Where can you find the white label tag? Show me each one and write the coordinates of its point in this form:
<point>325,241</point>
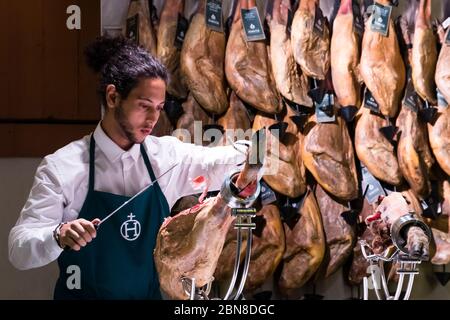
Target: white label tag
<point>446,23</point>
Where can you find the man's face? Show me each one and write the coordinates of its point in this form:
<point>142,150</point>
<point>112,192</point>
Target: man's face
<point>138,114</point>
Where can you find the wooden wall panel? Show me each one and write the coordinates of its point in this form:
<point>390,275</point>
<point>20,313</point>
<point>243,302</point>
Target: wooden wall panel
<point>4,27</point>
<point>23,43</point>
<point>43,76</point>
<point>60,64</point>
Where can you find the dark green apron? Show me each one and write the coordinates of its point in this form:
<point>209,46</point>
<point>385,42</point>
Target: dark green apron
<point>118,263</point>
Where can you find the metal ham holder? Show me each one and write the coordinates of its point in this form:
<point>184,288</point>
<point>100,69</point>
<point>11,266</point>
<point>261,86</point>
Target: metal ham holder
<point>244,212</point>
<point>398,255</point>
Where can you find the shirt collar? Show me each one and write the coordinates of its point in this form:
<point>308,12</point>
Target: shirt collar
<point>112,151</point>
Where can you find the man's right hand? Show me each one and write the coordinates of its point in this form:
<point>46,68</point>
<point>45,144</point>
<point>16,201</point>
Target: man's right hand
<point>77,233</point>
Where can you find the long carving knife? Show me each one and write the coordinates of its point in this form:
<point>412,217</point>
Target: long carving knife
<point>133,197</point>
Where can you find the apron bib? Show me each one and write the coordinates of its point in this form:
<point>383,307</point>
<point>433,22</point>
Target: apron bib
<point>118,263</point>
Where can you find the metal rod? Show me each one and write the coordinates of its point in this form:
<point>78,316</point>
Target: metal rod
<point>410,284</point>
<point>365,289</point>
<point>192,288</point>
<point>236,264</point>
<point>399,286</point>
<point>375,285</point>
<point>383,280</point>
<point>246,264</point>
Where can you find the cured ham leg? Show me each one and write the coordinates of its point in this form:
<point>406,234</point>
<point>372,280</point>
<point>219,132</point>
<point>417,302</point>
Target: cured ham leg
<point>192,112</point>
<point>441,228</point>
<point>442,76</point>
<point>247,67</point>
<point>424,54</point>
<point>305,247</point>
<point>167,52</point>
<point>382,67</point>
<point>327,153</point>
<point>145,33</point>
<point>413,152</point>
<point>235,121</point>
<point>374,150</point>
<point>358,269</point>
<point>340,236</point>
<point>311,51</point>
<point>290,81</point>
<point>439,137</point>
<point>189,244</point>
<point>359,265</point>
<point>289,179</point>
<point>345,58</point>
<point>202,60</point>
<point>439,131</point>
<point>391,208</point>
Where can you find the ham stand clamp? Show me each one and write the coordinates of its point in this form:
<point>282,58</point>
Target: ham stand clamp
<point>242,210</point>
<point>407,265</point>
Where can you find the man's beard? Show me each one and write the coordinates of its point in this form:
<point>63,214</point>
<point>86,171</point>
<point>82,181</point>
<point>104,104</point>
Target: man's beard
<point>124,124</point>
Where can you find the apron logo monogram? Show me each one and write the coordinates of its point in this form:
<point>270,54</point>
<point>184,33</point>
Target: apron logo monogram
<point>130,229</point>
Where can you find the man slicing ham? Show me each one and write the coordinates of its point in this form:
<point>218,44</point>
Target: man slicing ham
<point>82,183</point>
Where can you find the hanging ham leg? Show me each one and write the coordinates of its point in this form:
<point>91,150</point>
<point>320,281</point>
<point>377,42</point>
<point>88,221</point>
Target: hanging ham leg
<point>345,58</point>
<point>166,50</point>
<point>192,112</point>
<point>289,179</point>
<point>339,235</point>
<point>267,250</point>
<point>413,152</point>
<point>202,60</point>
<point>327,153</point>
<point>236,121</point>
<point>382,67</point>
<point>146,34</point>
<point>439,137</point>
<point>305,247</point>
<point>247,67</point>
<point>189,244</point>
<point>439,131</point>
<point>358,268</point>
<point>290,81</point>
<point>311,51</point>
<point>442,76</point>
<point>424,54</point>
<point>441,229</point>
<point>374,150</point>
<point>390,209</point>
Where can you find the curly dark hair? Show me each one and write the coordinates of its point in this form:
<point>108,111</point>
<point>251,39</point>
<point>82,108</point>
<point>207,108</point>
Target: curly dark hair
<point>122,63</point>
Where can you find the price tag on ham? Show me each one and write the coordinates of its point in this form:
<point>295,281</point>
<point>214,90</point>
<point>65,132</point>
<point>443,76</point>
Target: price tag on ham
<point>213,15</point>
<point>252,24</point>
<point>182,27</point>
<point>380,18</point>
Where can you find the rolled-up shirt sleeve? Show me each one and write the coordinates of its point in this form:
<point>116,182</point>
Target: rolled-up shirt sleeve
<point>31,243</point>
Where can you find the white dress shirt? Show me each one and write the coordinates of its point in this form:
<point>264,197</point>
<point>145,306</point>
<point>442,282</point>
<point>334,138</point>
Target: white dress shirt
<point>61,184</point>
